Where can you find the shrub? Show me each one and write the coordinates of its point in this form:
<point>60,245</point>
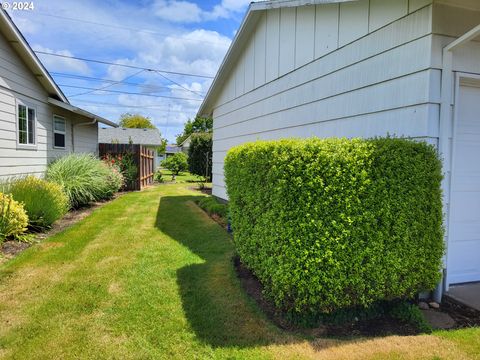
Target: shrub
<point>84,178</point>
<point>176,163</point>
<point>123,165</point>
<point>200,155</point>
<point>44,201</point>
<point>334,223</point>
<point>213,207</point>
<point>13,218</point>
<point>158,177</point>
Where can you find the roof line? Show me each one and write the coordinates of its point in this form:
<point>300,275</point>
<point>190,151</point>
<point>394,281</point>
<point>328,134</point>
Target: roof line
<point>26,46</point>
<point>249,18</point>
<point>80,111</point>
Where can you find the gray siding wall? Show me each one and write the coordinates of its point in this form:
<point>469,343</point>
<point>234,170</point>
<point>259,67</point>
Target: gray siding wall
<point>18,83</point>
<point>351,69</point>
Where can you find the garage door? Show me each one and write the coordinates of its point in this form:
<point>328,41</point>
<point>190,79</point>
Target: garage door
<point>464,242</point>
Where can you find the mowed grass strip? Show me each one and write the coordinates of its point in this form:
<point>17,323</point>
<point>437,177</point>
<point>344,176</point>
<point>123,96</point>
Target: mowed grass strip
<point>149,276</point>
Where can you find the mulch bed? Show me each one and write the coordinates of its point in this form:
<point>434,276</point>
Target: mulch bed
<point>464,316</point>
<point>384,326</point>
<point>11,248</point>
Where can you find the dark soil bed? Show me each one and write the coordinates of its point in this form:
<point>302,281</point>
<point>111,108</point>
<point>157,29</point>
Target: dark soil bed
<point>464,316</point>
<point>383,326</point>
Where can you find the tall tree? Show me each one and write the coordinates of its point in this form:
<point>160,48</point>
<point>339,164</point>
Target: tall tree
<point>198,125</point>
<point>135,121</point>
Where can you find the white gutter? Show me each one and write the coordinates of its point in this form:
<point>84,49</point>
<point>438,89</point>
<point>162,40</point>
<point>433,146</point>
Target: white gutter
<point>447,96</point>
<point>82,112</point>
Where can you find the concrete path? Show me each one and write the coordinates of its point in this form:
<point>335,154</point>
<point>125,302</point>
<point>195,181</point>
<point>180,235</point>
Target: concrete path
<point>468,294</point>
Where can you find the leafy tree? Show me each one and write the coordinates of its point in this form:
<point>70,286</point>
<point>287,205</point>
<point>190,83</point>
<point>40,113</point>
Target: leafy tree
<point>135,121</point>
<point>200,155</point>
<point>198,125</point>
<point>162,148</point>
<point>176,164</point>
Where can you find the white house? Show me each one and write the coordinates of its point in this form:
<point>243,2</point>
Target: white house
<point>37,123</point>
<point>362,68</point>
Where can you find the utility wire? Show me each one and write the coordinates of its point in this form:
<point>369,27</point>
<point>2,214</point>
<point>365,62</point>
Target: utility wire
<point>124,65</point>
<point>181,86</point>
<point>139,94</point>
<point>107,86</point>
<point>160,108</point>
<point>90,78</point>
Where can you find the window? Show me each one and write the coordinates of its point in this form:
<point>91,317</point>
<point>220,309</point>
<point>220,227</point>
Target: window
<point>26,124</point>
<point>59,126</point>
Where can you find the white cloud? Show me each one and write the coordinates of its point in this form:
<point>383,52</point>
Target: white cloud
<point>182,11</point>
<point>59,64</point>
<point>177,11</point>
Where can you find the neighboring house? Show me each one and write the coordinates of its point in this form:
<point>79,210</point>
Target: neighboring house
<point>364,68</point>
<point>37,123</point>
<point>185,145</point>
<point>150,138</point>
<point>171,150</point>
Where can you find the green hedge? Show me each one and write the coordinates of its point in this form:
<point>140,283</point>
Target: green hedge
<point>335,223</point>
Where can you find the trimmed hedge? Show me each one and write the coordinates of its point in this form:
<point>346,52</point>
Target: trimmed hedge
<point>335,223</point>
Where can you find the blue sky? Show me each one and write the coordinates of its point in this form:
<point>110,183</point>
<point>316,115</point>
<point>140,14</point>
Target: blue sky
<point>190,37</point>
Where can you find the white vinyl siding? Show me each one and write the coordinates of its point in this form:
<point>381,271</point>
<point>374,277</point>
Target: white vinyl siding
<point>350,91</point>
<point>18,83</point>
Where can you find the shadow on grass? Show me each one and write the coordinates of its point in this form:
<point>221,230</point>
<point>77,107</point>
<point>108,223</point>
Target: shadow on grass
<point>215,304</point>
<point>213,300</point>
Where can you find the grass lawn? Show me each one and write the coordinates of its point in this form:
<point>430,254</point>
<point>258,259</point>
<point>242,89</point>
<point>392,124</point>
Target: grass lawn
<point>183,177</point>
<point>149,276</point>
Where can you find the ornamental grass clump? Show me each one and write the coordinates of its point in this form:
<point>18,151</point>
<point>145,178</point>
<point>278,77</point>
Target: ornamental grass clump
<point>13,218</point>
<point>336,223</point>
<point>44,201</point>
<point>84,178</point>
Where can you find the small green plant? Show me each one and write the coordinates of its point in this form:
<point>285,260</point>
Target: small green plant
<point>13,218</point>
<point>158,177</point>
<point>213,207</point>
<point>44,201</point>
<point>411,314</point>
<point>83,178</point>
<point>176,164</point>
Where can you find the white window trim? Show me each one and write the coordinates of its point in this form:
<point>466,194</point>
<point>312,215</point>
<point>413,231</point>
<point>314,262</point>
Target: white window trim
<point>64,133</point>
<point>35,125</point>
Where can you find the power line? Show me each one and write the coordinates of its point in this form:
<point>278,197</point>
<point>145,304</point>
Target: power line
<point>153,107</point>
<point>147,31</point>
<point>130,93</point>
<point>90,78</point>
<point>124,65</point>
<point>178,84</point>
<point>107,86</point>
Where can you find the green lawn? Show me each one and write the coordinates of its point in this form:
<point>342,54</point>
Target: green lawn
<point>183,177</point>
<point>149,276</point>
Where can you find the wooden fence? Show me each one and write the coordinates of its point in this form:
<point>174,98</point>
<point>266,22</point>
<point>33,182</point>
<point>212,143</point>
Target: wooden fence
<point>142,157</point>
